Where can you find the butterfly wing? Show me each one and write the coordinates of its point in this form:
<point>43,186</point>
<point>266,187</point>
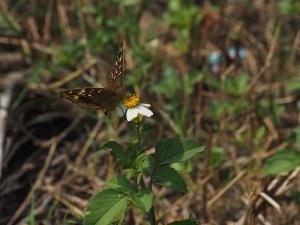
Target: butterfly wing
<point>101,98</point>
<point>115,78</point>
<point>92,98</point>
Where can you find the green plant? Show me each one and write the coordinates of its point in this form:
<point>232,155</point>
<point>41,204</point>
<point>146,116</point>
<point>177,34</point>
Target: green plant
<point>181,16</point>
<point>284,161</point>
<point>287,159</point>
<point>132,165</point>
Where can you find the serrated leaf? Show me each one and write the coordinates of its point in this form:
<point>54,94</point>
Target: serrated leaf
<point>184,222</point>
<point>176,150</point>
<point>283,161</point>
<point>169,177</point>
<point>120,184</point>
<point>105,207</point>
<point>143,200</point>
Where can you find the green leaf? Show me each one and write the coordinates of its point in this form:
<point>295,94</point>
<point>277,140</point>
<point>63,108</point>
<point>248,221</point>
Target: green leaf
<point>176,150</point>
<point>130,2</point>
<point>220,108</point>
<point>139,164</point>
<point>120,184</point>
<point>130,173</point>
<point>293,85</point>
<point>217,157</point>
<point>183,167</point>
<point>105,207</point>
<point>283,161</point>
<point>184,222</point>
<point>238,85</point>
<point>143,200</point>
<point>131,151</point>
<point>295,138</point>
<point>152,163</point>
<point>169,177</point>
<point>120,155</point>
<point>117,150</point>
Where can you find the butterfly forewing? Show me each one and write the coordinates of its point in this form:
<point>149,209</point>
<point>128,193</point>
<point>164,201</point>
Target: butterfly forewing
<point>115,78</point>
<point>93,98</point>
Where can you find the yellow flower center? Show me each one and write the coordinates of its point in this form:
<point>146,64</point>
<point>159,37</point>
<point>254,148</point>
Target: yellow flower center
<point>131,101</point>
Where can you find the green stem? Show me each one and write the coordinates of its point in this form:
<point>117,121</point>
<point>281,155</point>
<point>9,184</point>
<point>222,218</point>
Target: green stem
<point>151,216</point>
<point>138,133</point>
<point>9,18</point>
<point>151,213</point>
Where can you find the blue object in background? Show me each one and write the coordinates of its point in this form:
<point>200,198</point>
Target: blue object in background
<point>215,60</point>
<point>242,53</point>
<point>231,51</point>
<point>235,53</point>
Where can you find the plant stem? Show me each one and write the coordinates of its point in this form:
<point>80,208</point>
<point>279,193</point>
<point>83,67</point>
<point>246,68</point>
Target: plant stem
<point>151,216</point>
<point>151,213</point>
<point>138,134</point>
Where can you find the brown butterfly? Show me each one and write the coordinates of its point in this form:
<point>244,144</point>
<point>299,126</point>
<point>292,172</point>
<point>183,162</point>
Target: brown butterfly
<point>106,98</point>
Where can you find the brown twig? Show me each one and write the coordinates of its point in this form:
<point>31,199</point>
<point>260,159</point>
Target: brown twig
<point>226,188</point>
<point>88,143</point>
<point>72,75</point>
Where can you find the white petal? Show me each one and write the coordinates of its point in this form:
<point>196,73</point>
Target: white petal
<point>146,105</point>
<point>121,110</point>
<point>144,111</point>
<point>131,114</point>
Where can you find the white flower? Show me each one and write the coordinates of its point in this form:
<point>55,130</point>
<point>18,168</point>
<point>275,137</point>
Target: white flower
<point>133,108</point>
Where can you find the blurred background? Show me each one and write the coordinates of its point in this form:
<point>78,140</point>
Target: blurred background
<point>224,73</point>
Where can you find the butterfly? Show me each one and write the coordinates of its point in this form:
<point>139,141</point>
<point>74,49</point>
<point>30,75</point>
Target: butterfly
<point>106,98</point>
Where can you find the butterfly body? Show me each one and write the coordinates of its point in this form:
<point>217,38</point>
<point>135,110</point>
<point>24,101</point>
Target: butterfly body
<point>106,98</point>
